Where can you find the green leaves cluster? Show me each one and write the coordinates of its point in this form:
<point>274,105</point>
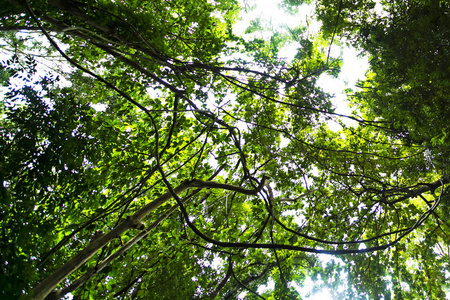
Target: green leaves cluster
<point>163,93</point>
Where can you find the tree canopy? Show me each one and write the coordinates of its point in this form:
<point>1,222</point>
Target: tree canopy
<point>148,151</point>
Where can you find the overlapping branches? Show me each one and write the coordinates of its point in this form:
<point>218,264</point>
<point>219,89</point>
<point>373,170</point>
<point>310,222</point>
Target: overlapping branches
<point>181,80</point>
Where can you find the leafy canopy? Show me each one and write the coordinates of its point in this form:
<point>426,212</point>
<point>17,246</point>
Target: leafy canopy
<point>149,151</point>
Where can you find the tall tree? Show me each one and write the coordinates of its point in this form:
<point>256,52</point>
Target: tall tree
<point>179,160</point>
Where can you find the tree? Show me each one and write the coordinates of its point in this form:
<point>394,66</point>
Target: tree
<point>183,161</point>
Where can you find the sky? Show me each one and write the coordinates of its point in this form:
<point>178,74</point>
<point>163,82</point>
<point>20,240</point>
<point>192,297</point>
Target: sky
<point>353,69</point>
<point>354,66</point>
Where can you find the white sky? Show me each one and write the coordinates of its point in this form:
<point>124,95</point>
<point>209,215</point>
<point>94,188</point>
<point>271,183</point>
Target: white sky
<point>353,69</point>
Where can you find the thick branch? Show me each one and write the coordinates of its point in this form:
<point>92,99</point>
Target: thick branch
<point>428,187</point>
<point>133,221</point>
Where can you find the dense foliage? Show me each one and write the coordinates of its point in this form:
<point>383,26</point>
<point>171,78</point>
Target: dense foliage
<point>148,151</point>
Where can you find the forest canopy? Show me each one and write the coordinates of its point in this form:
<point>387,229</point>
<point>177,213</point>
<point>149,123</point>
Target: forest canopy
<point>150,151</point>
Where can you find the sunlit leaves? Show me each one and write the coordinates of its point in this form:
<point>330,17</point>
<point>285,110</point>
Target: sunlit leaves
<point>196,101</point>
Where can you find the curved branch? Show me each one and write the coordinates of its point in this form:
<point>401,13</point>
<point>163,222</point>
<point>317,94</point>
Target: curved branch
<point>133,221</point>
